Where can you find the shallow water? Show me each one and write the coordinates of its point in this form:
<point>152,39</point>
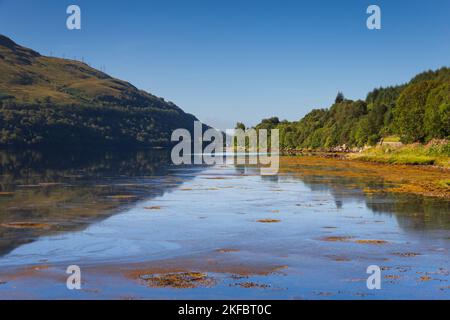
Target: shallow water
<point>126,217</point>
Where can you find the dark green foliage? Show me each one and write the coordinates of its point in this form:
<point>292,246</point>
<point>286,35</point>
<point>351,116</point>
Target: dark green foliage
<point>46,124</point>
<point>440,75</point>
<point>410,110</point>
<point>417,111</point>
<point>339,98</point>
<point>387,96</point>
<point>269,124</point>
<point>240,125</point>
<point>437,113</point>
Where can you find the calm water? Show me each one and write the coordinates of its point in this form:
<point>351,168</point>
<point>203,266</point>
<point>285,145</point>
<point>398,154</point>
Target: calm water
<point>116,214</point>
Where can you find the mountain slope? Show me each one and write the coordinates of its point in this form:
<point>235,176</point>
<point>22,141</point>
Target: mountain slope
<point>46,100</point>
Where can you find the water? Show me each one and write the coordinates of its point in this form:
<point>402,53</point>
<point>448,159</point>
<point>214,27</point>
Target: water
<point>130,216</point>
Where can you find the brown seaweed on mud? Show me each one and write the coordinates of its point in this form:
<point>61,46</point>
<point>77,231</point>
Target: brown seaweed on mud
<point>351,239</point>
<point>337,238</point>
<point>406,254</point>
<point>397,178</point>
<point>371,241</point>
<point>206,270</point>
<point>182,280</point>
<point>201,270</point>
<point>153,208</point>
<point>26,225</point>
<point>251,285</point>
<point>268,221</point>
<point>338,258</point>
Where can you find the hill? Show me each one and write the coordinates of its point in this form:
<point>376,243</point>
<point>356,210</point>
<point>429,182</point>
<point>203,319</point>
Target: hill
<point>48,101</point>
<point>418,111</point>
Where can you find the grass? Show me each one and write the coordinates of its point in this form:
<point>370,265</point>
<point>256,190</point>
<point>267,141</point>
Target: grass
<point>444,183</point>
<point>434,153</point>
<point>392,139</point>
<point>398,159</point>
<point>63,81</point>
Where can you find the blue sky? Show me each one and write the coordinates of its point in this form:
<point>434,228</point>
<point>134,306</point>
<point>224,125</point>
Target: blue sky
<point>230,60</point>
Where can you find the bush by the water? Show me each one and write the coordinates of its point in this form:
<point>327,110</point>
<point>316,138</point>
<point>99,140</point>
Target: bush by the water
<point>437,152</point>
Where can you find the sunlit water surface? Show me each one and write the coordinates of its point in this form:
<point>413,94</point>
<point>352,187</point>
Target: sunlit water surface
<point>137,208</point>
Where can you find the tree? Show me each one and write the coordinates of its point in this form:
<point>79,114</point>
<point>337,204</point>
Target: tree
<point>437,113</point>
<point>339,98</point>
<point>240,125</point>
<point>410,111</point>
<point>268,124</point>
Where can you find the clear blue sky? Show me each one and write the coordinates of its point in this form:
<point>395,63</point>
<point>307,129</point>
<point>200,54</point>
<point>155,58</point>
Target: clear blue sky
<point>230,60</point>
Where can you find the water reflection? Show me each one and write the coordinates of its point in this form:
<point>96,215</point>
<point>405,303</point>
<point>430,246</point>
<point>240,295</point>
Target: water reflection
<point>413,212</point>
<point>44,192</point>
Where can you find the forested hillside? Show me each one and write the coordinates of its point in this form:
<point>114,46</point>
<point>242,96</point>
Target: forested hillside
<point>48,101</point>
<point>418,111</point>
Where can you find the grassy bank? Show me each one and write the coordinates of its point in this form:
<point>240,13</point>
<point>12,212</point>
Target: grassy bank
<point>435,153</point>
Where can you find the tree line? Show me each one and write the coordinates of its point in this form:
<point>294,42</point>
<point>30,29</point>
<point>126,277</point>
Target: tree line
<point>41,124</point>
<point>418,111</point>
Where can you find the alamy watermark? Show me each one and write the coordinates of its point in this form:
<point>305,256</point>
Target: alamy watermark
<point>74,280</point>
<point>213,147</point>
<point>73,22</point>
<point>374,280</point>
<point>374,20</point>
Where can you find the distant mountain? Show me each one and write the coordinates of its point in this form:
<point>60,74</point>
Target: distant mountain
<point>48,101</point>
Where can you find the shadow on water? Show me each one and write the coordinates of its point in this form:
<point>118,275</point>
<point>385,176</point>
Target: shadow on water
<point>44,192</point>
<point>412,212</point>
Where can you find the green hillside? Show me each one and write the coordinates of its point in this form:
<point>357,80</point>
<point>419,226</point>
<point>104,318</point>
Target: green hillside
<point>47,101</point>
<point>418,111</point>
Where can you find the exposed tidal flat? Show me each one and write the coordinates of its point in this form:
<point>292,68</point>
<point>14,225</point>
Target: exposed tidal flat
<point>141,228</point>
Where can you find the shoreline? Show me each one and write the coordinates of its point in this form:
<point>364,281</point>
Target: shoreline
<point>388,159</point>
<point>424,180</point>
<point>435,153</point>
